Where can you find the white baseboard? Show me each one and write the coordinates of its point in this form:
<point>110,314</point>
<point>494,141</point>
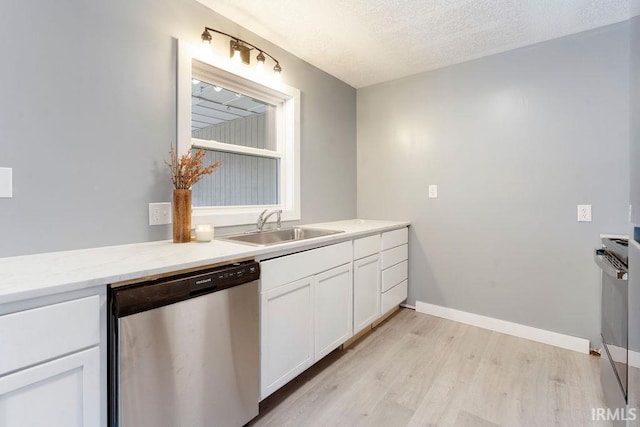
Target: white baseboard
<point>555,339</point>
<point>634,359</point>
<point>621,354</point>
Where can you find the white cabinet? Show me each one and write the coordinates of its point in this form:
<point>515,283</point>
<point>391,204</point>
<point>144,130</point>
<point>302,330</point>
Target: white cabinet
<point>394,268</point>
<point>286,323</point>
<point>366,292</point>
<point>306,311</point>
<point>64,392</point>
<point>333,310</point>
<point>366,281</point>
<point>313,301</point>
<point>50,371</point>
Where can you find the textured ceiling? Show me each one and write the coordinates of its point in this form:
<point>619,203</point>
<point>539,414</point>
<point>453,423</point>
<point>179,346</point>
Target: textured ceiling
<point>364,42</point>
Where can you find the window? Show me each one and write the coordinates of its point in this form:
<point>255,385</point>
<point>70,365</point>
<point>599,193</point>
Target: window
<point>252,126</point>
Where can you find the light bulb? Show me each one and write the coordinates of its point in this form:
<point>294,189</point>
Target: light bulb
<point>277,73</point>
<point>217,88</point>
<point>260,64</point>
<point>204,50</point>
<point>236,54</point>
<point>195,81</point>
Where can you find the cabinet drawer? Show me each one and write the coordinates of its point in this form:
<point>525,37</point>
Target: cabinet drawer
<point>394,275</point>
<point>395,238</point>
<point>366,246</point>
<point>47,332</point>
<point>394,256</point>
<point>394,296</point>
<point>286,269</point>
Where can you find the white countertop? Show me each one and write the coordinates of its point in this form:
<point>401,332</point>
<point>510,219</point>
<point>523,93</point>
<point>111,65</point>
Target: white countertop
<point>32,276</point>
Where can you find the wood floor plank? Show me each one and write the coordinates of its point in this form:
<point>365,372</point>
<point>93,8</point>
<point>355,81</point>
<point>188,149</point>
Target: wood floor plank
<point>420,370</point>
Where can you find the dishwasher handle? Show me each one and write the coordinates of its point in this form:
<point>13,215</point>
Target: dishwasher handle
<point>610,265</point>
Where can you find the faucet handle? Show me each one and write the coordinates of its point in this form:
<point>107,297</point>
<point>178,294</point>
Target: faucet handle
<point>260,221</point>
<point>279,219</point>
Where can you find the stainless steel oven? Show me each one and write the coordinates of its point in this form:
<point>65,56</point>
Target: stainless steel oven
<point>612,258</point>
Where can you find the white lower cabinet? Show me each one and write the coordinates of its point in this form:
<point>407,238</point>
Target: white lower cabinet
<point>394,268</point>
<point>303,320</point>
<point>313,301</point>
<point>50,371</point>
<point>333,311</point>
<point>366,292</point>
<point>286,323</point>
<point>64,392</point>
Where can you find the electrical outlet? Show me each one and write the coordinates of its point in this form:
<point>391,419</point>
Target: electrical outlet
<point>159,213</point>
<point>433,191</point>
<point>584,213</point>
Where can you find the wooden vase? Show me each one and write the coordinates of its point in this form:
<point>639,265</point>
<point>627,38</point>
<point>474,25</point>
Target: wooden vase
<point>181,216</point>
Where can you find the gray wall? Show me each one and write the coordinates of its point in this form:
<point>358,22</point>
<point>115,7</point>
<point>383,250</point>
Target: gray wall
<point>108,69</point>
<point>514,142</point>
<point>634,151</point>
<point>634,119</point>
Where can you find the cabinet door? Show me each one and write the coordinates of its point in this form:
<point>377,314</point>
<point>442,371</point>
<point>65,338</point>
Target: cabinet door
<point>64,392</point>
<point>286,332</point>
<point>333,297</point>
<point>366,292</point>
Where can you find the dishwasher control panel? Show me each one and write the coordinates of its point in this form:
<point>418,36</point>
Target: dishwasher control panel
<point>137,297</point>
<point>226,277</point>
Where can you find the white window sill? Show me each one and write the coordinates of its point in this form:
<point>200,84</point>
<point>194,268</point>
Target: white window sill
<point>233,215</point>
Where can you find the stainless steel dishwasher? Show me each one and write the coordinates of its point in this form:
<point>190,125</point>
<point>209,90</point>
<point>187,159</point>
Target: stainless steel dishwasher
<point>183,350</point>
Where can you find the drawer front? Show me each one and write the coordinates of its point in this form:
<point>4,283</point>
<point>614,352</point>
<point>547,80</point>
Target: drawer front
<point>394,238</point>
<point>279,271</point>
<point>394,296</point>
<point>48,332</point>
<point>366,246</point>
<point>394,256</point>
<point>394,275</point>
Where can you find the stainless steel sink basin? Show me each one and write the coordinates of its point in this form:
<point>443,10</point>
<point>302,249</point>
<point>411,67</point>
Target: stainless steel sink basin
<point>273,237</point>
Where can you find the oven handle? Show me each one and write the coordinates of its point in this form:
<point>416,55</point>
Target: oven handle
<point>607,267</point>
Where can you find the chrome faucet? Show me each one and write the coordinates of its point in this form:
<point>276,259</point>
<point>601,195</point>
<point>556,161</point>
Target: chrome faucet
<point>262,219</point>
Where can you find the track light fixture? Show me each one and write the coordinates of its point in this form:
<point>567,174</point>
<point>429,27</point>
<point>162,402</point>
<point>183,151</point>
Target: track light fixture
<point>240,51</point>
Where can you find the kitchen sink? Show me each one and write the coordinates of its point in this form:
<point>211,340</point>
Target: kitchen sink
<point>273,237</point>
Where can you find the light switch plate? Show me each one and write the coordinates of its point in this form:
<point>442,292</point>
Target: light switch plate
<point>433,191</point>
<point>584,213</point>
<point>159,213</point>
<point>6,183</point>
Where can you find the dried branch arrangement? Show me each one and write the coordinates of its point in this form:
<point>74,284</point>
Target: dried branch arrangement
<point>188,169</point>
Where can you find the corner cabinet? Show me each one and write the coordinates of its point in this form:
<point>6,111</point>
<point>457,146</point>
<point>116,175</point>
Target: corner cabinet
<point>306,311</point>
<point>50,368</point>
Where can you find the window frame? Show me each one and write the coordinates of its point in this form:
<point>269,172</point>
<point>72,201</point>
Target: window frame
<point>208,67</point>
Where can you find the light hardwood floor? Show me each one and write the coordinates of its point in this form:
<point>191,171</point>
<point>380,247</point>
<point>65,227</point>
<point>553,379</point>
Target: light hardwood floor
<point>418,370</point>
